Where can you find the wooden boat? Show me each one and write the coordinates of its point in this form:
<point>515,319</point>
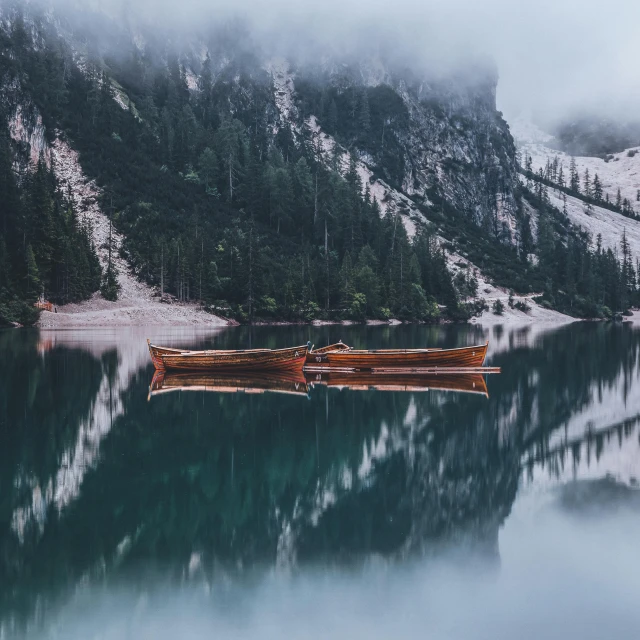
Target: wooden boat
<point>290,359</point>
<point>288,382</point>
<point>409,359</point>
<point>414,382</point>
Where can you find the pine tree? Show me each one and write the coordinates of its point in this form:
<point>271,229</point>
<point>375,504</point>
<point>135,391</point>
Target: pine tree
<point>33,284</point>
<point>574,183</point>
<point>597,189</point>
<point>230,141</point>
<point>208,169</point>
<point>332,117</point>
<point>364,116</point>
<point>587,184</point>
<point>110,286</point>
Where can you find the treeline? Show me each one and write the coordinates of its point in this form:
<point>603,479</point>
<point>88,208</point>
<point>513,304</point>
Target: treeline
<point>370,118</point>
<point>578,279</point>
<point>220,203</point>
<point>587,188</point>
<point>44,247</point>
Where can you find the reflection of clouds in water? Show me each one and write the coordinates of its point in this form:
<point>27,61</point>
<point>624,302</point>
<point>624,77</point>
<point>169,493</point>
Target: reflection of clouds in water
<point>550,584</point>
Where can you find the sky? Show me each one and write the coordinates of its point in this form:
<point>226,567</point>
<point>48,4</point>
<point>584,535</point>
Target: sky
<point>554,57</point>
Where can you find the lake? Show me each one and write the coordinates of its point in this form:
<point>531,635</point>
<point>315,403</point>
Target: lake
<point>318,510</point>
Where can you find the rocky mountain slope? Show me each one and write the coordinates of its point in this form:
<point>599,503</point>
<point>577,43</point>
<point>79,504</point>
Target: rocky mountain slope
<point>269,186</point>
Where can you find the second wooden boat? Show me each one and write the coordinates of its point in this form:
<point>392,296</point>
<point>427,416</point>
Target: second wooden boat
<point>315,355</point>
<point>290,359</point>
<point>409,359</point>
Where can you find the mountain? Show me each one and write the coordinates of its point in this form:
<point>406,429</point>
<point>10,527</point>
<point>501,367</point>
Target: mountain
<point>214,167</point>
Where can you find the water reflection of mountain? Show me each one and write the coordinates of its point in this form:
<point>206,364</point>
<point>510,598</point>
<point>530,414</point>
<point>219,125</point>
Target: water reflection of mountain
<point>230,482</point>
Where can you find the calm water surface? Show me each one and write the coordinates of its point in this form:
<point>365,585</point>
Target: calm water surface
<point>325,511</point>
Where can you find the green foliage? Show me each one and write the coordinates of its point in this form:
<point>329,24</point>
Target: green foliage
<point>110,286</point>
<point>498,307</point>
<point>580,280</point>
<point>44,249</point>
<point>358,306</point>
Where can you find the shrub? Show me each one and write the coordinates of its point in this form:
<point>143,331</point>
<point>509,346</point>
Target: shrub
<point>358,306</point>
<point>498,307</point>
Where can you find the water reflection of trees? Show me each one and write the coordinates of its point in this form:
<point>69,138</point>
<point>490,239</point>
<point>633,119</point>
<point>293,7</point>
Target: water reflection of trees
<point>45,395</point>
<point>246,481</point>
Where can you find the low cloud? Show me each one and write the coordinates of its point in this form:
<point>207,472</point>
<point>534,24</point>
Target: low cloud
<point>555,57</point>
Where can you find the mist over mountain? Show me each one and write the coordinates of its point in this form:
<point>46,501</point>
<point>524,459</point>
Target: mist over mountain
<point>554,58</point>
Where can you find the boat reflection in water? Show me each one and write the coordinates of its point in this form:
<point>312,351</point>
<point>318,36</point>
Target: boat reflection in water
<point>365,381</point>
<point>290,382</point>
<point>299,383</point>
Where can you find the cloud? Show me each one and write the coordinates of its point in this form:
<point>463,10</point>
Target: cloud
<point>554,57</point>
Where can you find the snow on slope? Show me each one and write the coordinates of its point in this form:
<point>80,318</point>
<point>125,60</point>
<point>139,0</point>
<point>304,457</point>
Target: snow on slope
<point>621,172</point>
<point>608,224</point>
<point>601,221</point>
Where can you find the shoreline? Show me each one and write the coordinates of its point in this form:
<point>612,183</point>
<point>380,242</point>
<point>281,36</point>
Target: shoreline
<point>145,312</point>
<point>192,316</point>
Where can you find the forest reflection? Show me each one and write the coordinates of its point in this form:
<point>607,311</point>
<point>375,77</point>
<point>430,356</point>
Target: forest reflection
<point>97,483</point>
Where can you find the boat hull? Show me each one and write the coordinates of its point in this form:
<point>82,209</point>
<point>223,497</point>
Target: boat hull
<point>157,353</point>
<point>291,359</point>
<point>409,359</point>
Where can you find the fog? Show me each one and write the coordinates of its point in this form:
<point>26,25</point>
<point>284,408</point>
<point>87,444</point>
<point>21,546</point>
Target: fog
<point>560,576</point>
<point>555,57</point>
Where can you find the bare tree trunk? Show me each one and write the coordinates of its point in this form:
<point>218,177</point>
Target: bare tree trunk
<point>393,239</point>
<point>326,257</point>
<point>315,200</point>
<point>250,274</point>
<point>401,278</point>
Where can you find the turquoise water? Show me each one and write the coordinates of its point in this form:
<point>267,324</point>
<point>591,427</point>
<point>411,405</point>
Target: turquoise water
<point>332,512</point>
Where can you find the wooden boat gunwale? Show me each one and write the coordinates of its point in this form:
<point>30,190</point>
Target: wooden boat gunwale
<point>468,357</point>
<point>337,346</point>
<point>288,358</point>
